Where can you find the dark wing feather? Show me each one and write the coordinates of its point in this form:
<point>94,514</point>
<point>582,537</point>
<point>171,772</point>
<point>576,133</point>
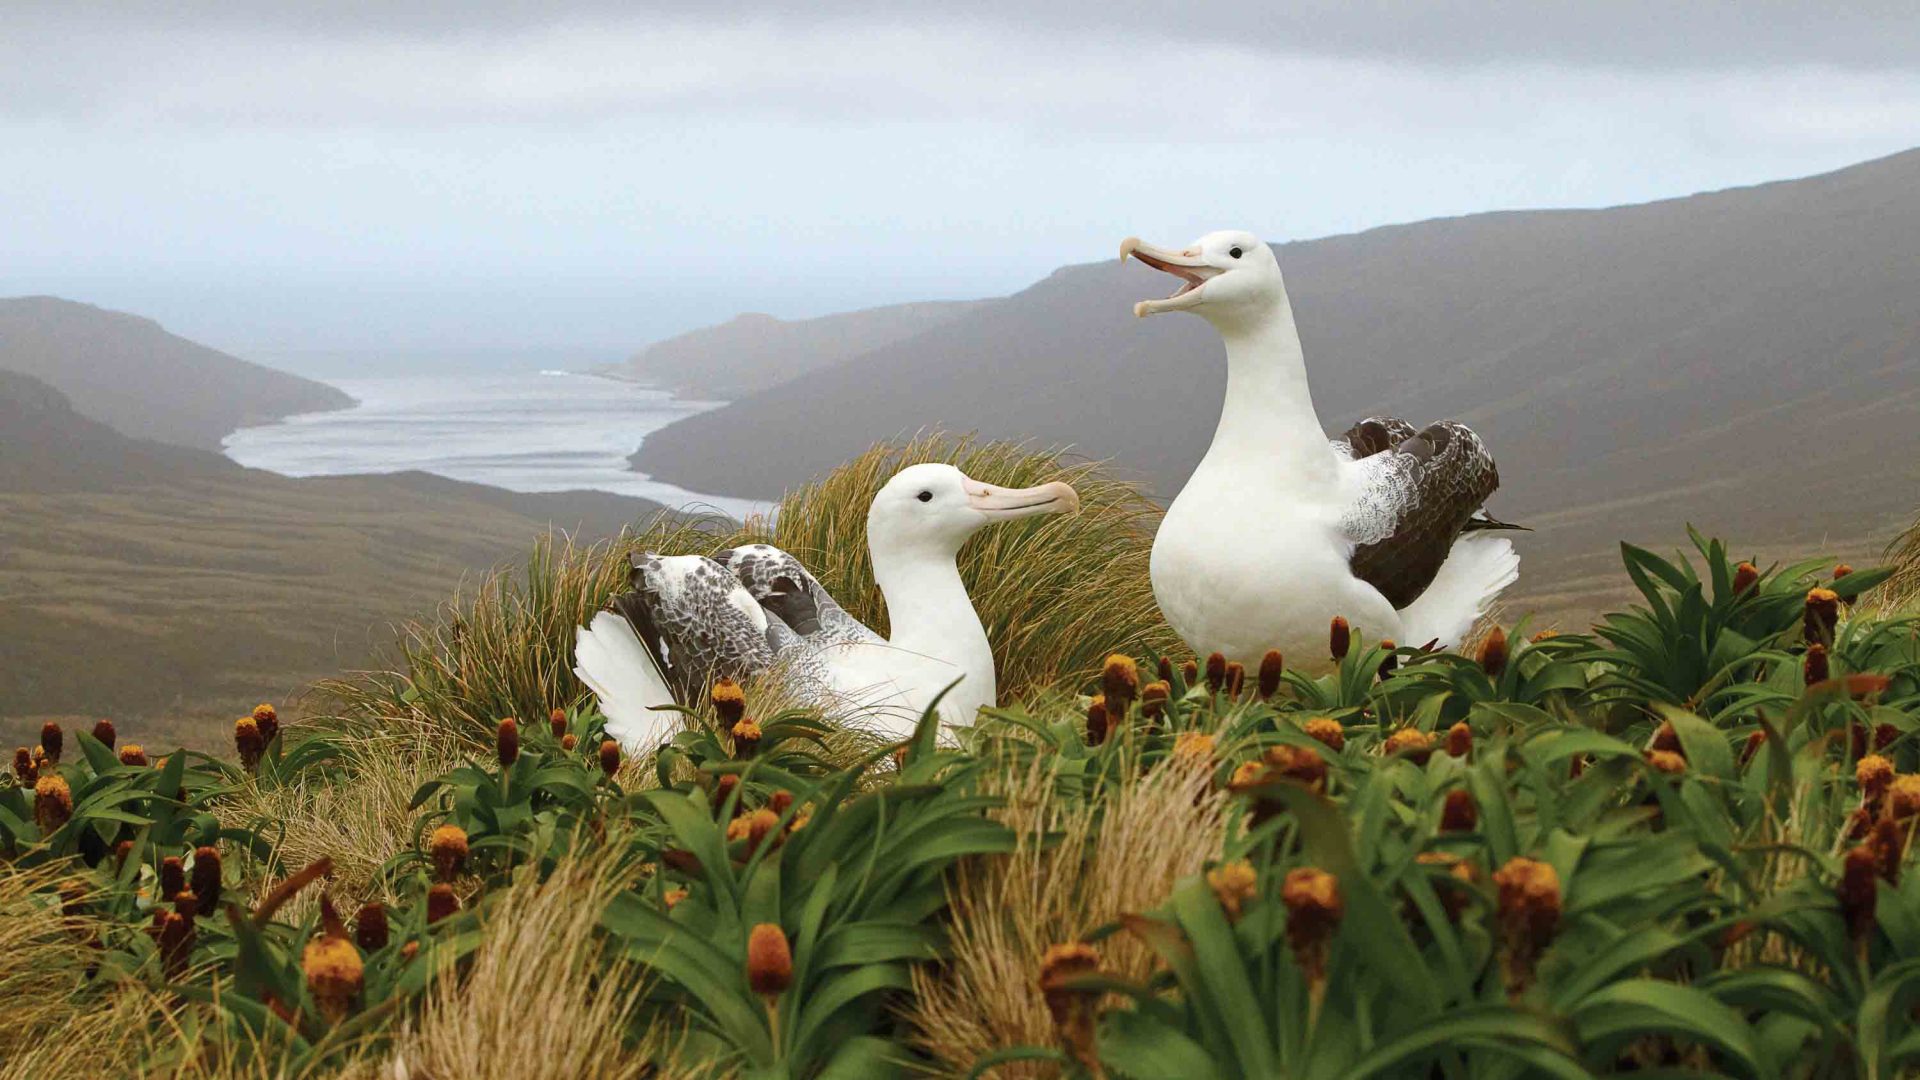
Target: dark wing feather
<point>1375,435</point>
<point>784,587</point>
<point>685,609</point>
<point>1420,495</point>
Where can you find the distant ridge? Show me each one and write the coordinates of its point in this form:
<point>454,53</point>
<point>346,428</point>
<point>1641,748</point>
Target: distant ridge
<point>142,580</point>
<point>1748,360</point>
<point>129,373</point>
<point>752,352</point>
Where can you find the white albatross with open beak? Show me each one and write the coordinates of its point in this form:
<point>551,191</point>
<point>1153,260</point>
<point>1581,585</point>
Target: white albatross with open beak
<point>1280,529</point>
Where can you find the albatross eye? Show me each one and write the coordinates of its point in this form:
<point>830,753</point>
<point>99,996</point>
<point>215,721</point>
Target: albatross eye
<point>925,496</point>
<point>1235,253</point>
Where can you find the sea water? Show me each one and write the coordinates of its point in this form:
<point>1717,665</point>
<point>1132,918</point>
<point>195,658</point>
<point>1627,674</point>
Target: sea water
<point>523,431</point>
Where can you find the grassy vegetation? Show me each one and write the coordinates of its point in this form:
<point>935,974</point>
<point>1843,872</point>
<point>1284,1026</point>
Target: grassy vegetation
<point>1678,842</point>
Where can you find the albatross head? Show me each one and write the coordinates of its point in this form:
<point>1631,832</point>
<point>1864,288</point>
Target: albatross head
<point>933,509</point>
<point>1223,276</point>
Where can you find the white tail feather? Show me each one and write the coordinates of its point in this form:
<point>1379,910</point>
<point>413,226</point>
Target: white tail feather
<point>1476,570</point>
<point>617,666</point>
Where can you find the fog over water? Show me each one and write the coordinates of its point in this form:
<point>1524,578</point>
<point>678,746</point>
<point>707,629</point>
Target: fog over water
<point>537,431</point>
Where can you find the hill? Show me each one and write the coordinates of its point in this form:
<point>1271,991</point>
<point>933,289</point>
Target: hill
<point>1744,359</point>
<point>128,372</point>
<point>753,352</point>
<point>165,584</point>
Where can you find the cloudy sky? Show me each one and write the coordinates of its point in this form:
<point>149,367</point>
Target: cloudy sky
<point>449,176</point>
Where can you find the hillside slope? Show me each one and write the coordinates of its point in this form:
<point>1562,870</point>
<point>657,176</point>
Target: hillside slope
<point>154,582</point>
<point>753,352</point>
<point>1747,359</point>
<point>128,372</point>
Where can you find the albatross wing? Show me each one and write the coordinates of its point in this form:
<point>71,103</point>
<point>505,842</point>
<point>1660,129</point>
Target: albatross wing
<point>1416,497</point>
<point>781,584</point>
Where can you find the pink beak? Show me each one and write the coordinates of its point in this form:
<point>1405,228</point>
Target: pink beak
<point>1003,504</point>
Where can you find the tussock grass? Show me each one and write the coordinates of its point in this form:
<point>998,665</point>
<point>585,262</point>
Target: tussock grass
<point>1056,594</point>
<point>1080,864</point>
<point>358,821</point>
<point>53,1026</point>
<point>544,996</point>
<point>1902,591</point>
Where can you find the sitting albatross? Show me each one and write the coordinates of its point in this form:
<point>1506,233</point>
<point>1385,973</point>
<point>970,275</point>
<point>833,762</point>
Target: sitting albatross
<point>754,610</point>
<point>1279,530</point>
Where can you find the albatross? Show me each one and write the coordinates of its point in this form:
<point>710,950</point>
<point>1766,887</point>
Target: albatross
<point>1280,529</point>
<point>756,611</point>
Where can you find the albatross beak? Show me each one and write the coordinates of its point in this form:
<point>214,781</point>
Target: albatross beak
<point>1005,504</point>
<point>1187,265</point>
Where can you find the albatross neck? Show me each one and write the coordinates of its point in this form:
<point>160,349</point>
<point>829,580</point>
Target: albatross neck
<point>929,611</point>
<point>1268,420</point>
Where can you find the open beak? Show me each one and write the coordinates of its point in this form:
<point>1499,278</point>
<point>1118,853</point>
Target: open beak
<point>1005,504</point>
<point>1185,265</point>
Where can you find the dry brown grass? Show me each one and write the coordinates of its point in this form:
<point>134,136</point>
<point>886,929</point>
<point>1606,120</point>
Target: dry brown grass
<point>544,995</point>
<point>53,1026</point>
<point>1902,591</point>
<point>359,820</point>
<point>1080,864</point>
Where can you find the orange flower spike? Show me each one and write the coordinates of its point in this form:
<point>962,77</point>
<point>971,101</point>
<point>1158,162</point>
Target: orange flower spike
<point>1233,884</point>
<point>103,732</point>
<point>557,723</point>
<point>1459,813</point>
<point>769,961</point>
<point>1492,656</point>
<point>1859,890</point>
<point>1745,577</point>
<point>729,701</point>
<point>370,929</point>
<point>1339,638</point>
<point>25,771</point>
<point>1815,668</point>
<point>1874,774</point>
<point>1236,678</point>
<point>1315,907</point>
<point>267,719</point>
<point>1216,672</point>
<point>1190,672</point>
<point>447,851</point>
<point>1119,684</point>
<point>1666,762</point>
<point>1099,724</point>
<point>1328,732</point>
<point>1528,913</point>
<point>334,970</point>
<point>52,802</point>
<point>1193,746</point>
<point>205,879</point>
<point>1903,797</point>
<point>1414,744</point>
<point>1822,616</point>
<point>1153,700</point>
<point>746,737</point>
<point>133,755</point>
<point>1459,740</point>
<point>506,742</point>
<point>1272,666</point>
<point>441,903</point>
<point>609,757</point>
<point>247,743</point>
<point>52,741</point>
<point>1075,1012</point>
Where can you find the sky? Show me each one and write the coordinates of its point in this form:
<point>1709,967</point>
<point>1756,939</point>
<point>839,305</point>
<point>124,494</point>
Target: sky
<point>301,183</point>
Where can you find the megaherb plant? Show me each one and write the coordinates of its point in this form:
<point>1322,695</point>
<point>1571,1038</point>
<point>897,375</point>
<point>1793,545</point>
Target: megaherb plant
<point>1679,844</point>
